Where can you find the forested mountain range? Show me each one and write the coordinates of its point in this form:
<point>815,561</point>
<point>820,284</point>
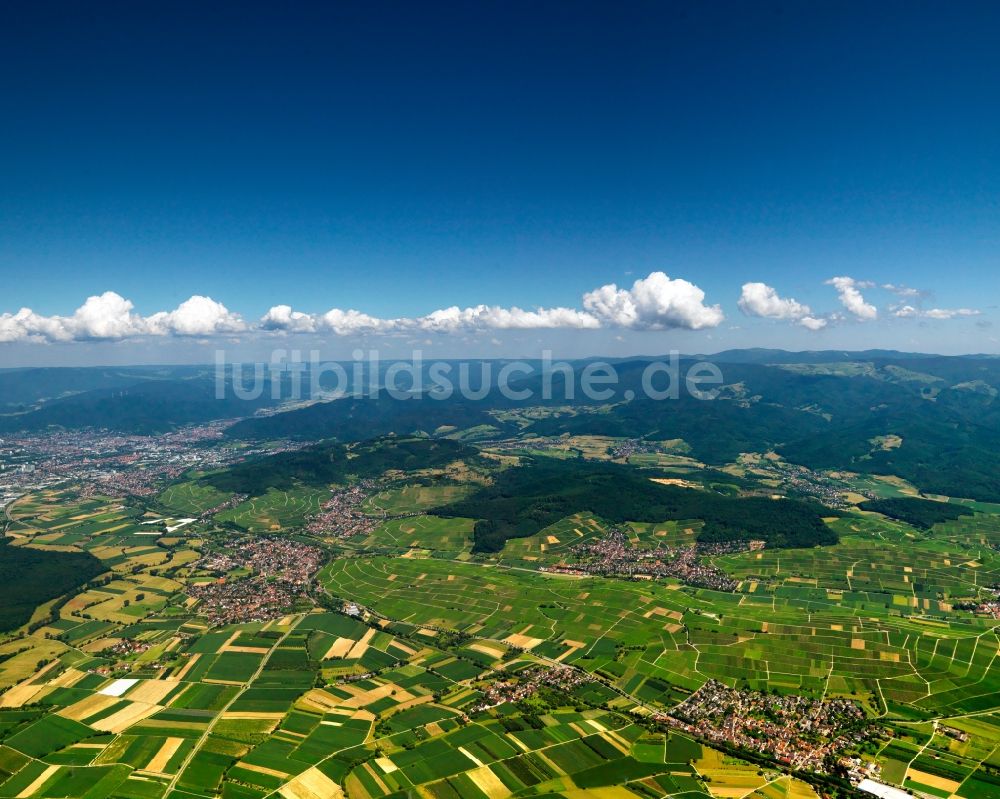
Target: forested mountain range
<point>933,420</point>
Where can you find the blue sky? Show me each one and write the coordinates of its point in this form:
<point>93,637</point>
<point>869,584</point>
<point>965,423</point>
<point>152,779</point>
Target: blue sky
<point>399,159</point>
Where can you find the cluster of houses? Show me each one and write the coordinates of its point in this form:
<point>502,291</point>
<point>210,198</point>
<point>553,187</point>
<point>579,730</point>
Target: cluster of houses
<point>514,689</point>
<point>278,572</point>
<point>613,555</point>
<point>797,731</point>
<point>341,516</point>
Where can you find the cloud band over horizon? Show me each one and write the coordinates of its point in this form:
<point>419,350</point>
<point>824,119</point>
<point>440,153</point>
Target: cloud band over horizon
<point>654,303</point>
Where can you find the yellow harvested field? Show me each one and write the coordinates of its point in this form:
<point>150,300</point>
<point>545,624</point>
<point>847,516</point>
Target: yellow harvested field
<point>617,742</point>
<point>152,691</point>
<point>38,782</point>
<point>933,781</point>
<point>800,790</point>
<point>187,667</point>
<point>281,775</point>
<point>370,769</point>
<point>364,698</point>
<point>19,695</point>
<point>417,700</point>
<point>320,700</point>
<point>573,646</point>
<point>488,782</point>
<point>522,641</point>
<point>733,782</point>
<point>610,792</point>
<point>493,650</point>
<point>397,644</point>
<point>126,717</point>
<point>339,648</point>
<point>361,646</point>
<point>89,706</point>
<point>386,765</point>
<point>160,760</point>
<point>311,784</point>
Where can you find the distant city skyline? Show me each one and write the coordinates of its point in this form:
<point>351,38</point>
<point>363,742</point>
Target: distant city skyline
<point>497,179</point>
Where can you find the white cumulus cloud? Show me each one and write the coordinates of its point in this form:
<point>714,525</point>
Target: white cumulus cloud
<point>760,299</point>
<point>197,316</point>
<point>656,302</point>
<point>849,291</point>
<point>351,322</point>
<point>486,317</point>
<point>909,312</point>
<point>812,322</point>
<point>107,316</point>
<point>26,325</point>
<point>283,318</point>
<point>951,313</point>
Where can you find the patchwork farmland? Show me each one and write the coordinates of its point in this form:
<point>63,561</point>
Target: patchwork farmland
<point>198,663</point>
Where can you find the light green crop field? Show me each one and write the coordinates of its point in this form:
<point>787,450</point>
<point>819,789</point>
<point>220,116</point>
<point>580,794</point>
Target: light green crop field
<point>845,644</point>
<point>191,498</point>
<point>414,498</point>
<point>276,510</point>
<point>432,533</point>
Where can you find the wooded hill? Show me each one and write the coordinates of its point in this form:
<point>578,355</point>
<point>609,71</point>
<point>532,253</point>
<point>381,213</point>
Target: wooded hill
<point>524,500</point>
<point>332,462</point>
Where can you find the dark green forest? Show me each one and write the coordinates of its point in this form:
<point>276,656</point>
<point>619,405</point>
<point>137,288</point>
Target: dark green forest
<point>331,462</point>
<point>524,500</point>
<point>821,410</point>
<point>920,513</point>
<point>30,577</point>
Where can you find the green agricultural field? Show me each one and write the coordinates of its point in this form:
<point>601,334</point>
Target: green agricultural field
<point>275,510</point>
<point>191,498</point>
<point>380,679</point>
<point>432,533</point>
<point>414,498</point>
<point>797,637</point>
